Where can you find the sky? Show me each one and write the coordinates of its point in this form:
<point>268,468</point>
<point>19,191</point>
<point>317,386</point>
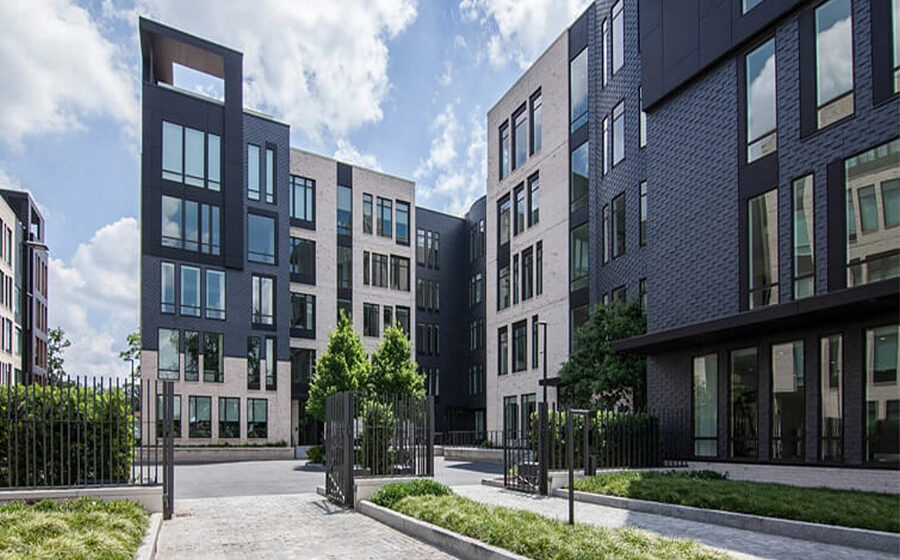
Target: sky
<point>402,86</point>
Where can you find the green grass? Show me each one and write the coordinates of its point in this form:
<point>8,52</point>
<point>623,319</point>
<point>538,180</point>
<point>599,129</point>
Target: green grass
<point>848,508</point>
<point>542,538</point>
<point>391,493</point>
<point>77,529</point>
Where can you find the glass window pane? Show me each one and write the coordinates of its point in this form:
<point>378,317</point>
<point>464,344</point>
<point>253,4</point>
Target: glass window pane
<point>212,357</point>
<point>834,50</point>
<point>761,115</point>
<point>167,288</point>
<point>890,200</point>
<point>169,357</point>
<point>744,402</point>
<point>578,88</point>
<point>618,225</point>
<point>191,355</point>
<point>578,271</point>
<point>194,161</point>
<point>253,357</point>
<point>882,395</point>
<point>706,420</point>
<point>504,220</point>
<point>191,227</point>
<point>344,210</point>
<point>763,250</point>
<point>402,222</point>
<point>271,361</point>
<point>214,162</point>
<point>253,172</point>
<point>536,124</point>
<point>831,381</point>
<point>788,401</point>
<point>171,222</point>
<point>580,177</point>
<point>270,176</point>
<point>521,135</point>
<point>618,37</point>
<point>190,291</point>
<point>618,141</point>
<point>504,150</point>
<point>172,152</point>
<point>215,294</point>
<point>804,270</point>
<point>260,239</point>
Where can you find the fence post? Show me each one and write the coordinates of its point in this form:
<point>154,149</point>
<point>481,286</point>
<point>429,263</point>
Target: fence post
<point>347,422</point>
<point>429,417</point>
<point>168,449</point>
<point>570,463</point>
<point>543,445</point>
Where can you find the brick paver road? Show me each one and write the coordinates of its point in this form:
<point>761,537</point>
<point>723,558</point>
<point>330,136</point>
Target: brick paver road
<point>281,526</point>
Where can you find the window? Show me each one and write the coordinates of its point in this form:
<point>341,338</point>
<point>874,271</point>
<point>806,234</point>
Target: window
<point>577,317</point>
<point>344,210</point>
<point>344,267</point>
<point>502,351</point>
<point>618,226</point>
<point>534,200</point>
<point>706,420</point>
<point>534,341</point>
<point>834,62</point>
<point>510,416</point>
<point>520,346</point>
<point>171,222</point>
<point>199,420</point>
<point>760,96</point>
<point>873,251</point>
<point>257,418</point>
<point>504,150</point>
<point>379,270</point>
<point>370,319</point>
<point>270,176</point>
<point>191,356</point>
<point>831,385</point>
<point>303,312</point>
<point>519,222</point>
<point>252,172</point>
<point>402,223</point>
<point>166,288</point>
<point>579,249</point>
<point>344,306</point>
<point>303,260</point>
<point>580,178</point>
<point>388,316</point>
<point>503,288</point>
<point>804,269</point>
<point>749,5</point>
<point>539,268</point>
<point>578,90</point>
<point>503,212</point>
<point>253,362</point>
<point>642,126</point>
<point>642,294</point>
<point>435,259</point>
<point>618,132</point>
<point>618,294</point>
<point>763,249</point>
<point>190,291</point>
<point>215,294</point>
<point>213,357</point>
<point>520,137</point>
<point>399,273</point>
<point>367,213</point>
<point>169,357</point>
<point>403,318</point>
<point>744,402</point>
<point>229,417</point>
<point>384,214</point>
<point>477,289</point>
<point>303,365</point>
<point>191,231</point>
<point>172,152</point>
<point>643,230</point>
<point>209,229</point>
<point>536,121</point>
<point>527,272</point>
<point>303,193</point>
<point>420,247</point>
<point>263,300</point>
<point>618,37</point>
<point>515,279</point>
<point>176,415</point>
<point>260,239</point>
<point>604,149</point>
<point>788,401</point>
<point>271,362</point>
<point>186,153</point>
<point>214,162</point>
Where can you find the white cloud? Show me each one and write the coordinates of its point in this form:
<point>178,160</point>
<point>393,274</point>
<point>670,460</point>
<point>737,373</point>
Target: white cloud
<point>834,71</point>
<point>520,30</point>
<point>348,153</point>
<point>446,77</point>
<point>321,66</point>
<point>58,70</point>
<point>94,298</point>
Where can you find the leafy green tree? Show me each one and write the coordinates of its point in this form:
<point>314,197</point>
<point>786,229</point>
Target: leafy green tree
<point>394,372</point>
<point>594,371</point>
<point>133,351</point>
<point>343,367</point>
<point>56,346</point>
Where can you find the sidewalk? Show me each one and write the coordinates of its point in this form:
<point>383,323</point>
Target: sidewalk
<point>743,545</point>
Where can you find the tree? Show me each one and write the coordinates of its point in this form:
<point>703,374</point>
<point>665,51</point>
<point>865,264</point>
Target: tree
<point>594,371</point>
<point>393,370</point>
<point>343,367</point>
<point>56,345</point>
<point>133,352</point>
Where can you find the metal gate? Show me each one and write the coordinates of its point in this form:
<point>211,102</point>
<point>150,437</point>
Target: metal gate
<point>339,448</point>
<point>525,451</point>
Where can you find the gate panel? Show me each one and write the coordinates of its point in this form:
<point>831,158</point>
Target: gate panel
<point>339,448</point>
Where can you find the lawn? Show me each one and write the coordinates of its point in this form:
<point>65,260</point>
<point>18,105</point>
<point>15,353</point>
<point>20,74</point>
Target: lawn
<point>848,508</point>
<point>78,529</point>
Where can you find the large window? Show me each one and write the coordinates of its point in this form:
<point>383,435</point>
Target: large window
<point>788,401</point>
<point>761,117</point>
<point>580,181</point>
<point>402,223</point>
<point>834,62</point>
<point>171,226</point>
<point>303,195</point>
<point>303,312</point>
<point>213,357</point>
<point>190,291</point>
<point>763,249</point>
<point>618,132</point>
<point>199,417</point>
<point>167,287</point>
<point>191,156</point>
<point>643,229</point>
<point>169,357</point>
<point>252,172</point>
<point>229,417</point>
<point>257,418</point>
<point>618,225</point>
<point>303,365</point>
<point>579,251</point>
<point>303,260</point>
<point>379,270</point>
<point>502,351</point>
<point>873,243</point>
<point>534,200</point>
<point>520,137</point>
<point>831,385</point>
<point>503,212</point>
<point>536,121</point>
<point>519,221</point>
<point>344,210</point>
<point>263,300</point>
<point>371,319</point>
<point>744,403</point>
<point>191,356</point>
<point>260,239</point>
<point>399,273</point>
<point>344,267</point>
<point>503,287</point>
<point>504,150</point>
<point>367,213</point>
<point>215,294</point>
<point>803,234</point>
<point>384,215</point>
<point>520,346</point>
<point>578,90</point>
<point>706,418</point>
<point>618,37</point>
<point>882,395</point>
<point>254,355</point>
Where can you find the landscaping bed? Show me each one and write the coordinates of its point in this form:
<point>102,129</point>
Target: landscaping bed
<point>79,529</point>
<point>709,490</point>
<point>530,534</point>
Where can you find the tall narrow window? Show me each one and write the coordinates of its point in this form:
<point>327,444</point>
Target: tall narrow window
<point>172,152</point>
<point>388,316</point>
<point>344,267</point>
<point>527,274</point>
<point>520,346</point>
<point>519,222</point>
<point>744,401</point>
<point>420,247</point>
<point>402,313</point>
<point>190,291</point>
<point>762,138</point>
<point>370,319</point>
<point>510,416</point>
<point>270,176</point>
<point>536,122</point>
<point>176,415</point>
<point>788,401</point>
<point>503,213</point>
<point>303,312</point>
<point>402,223</point>
<point>199,417</point>
<point>303,201</point>
<point>214,162</point>
<point>578,90</point>
<point>260,239</point>
<point>503,287</point>
<point>890,201</point>
<point>191,226</point>
<point>515,280</point>
<point>504,150</point>
<point>520,137</point>
<point>534,200</point>
<point>618,37</point>
<point>303,260</point>
<point>344,210</point>
<point>580,181</point>
<point>252,172</point>
<point>254,355</point>
<point>804,269</point>
<point>303,365</point>
<point>367,213</point>
<point>271,362</point>
<point>618,132</point>
<point>215,294</point>
<point>229,417</point>
<point>539,268</point>
<point>604,52</point>
<point>502,351</point>
<point>169,360</point>
<point>257,418</point>
<point>831,385</point>
<point>384,215</point>
<point>618,225</point>
<point>399,273</point>
<point>209,229</point>
<point>706,420</point>
<point>194,157</point>
<point>213,357</point>
<point>191,355</point>
<point>763,249</point>
<point>605,232</point>
<point>881,393</point>
<point>167,287</point>
<point>263,294</point>
<point>604,149</point>
<point>534,342</point>
<point>643,232</point>
<point>642,126</point>
<point>171,222</point>
<point>834,62</point>
<point>579,250</point>
<point>642,294</point>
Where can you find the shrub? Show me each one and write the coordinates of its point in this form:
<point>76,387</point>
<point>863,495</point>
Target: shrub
<point>377,435</point>
<point>316,454</point>
<point>628,439</point>
<point>390,494</point>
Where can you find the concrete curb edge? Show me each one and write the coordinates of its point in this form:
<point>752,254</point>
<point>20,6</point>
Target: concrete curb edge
<point>147,550</point>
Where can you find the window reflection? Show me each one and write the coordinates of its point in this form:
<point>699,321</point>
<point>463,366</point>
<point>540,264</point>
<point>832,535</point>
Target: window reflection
<point>831,382</point>
<point>761,116</point>
<point>882,395</point>
<point>788,401</point>
<point>763,250</point>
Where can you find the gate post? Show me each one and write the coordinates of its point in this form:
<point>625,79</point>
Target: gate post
<point>570,463</point>
<point>347,423</point>
<point>543,445</point>
<point>168,449</point>
<point>429,418</point>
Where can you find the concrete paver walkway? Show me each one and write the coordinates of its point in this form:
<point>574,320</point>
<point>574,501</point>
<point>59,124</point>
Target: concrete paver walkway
<point>743,545</point>
<point>281,526</point>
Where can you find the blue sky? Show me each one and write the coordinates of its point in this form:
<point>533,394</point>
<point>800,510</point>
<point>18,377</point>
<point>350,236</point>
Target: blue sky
<point>402,86</point>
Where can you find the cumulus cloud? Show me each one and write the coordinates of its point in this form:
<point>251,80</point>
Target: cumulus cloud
<point>58,70</point>
<point>348,153</point>
<point>834,70</point>
<point>94,298</point>
<point>519,30</point>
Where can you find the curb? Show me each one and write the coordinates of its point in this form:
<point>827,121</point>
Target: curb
<point>492,483</point>
<point>803,530</point>
<point>458,545</point>
<point>147,550</point>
